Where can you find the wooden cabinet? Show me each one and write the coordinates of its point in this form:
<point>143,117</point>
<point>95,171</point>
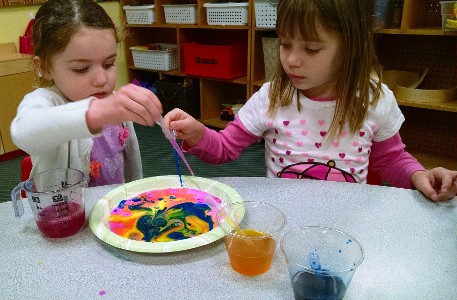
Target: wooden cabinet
<point>430,130</point>
<point>17,77</point>
<point>213,92</point>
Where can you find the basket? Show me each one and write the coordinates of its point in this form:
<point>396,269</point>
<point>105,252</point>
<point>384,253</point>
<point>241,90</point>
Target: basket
<point>165,59</point>
<point>404,86</point>
<point>265,13</point>
<point>227,13</point>
<point>270,56</point>
<point>393,78</point>
<point>139,14</point>
<point>180,14</point>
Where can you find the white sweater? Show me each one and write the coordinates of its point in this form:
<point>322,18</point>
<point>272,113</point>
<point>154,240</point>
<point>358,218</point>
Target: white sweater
<point>54,133</point>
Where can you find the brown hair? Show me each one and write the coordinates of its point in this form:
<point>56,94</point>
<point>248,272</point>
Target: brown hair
<point>352,20</point>
<point>58,20</point>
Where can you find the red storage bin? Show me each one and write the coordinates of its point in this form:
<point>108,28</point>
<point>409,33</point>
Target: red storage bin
<point>217,61</point>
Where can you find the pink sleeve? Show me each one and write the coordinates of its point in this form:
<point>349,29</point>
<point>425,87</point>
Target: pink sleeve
<point>226,145</point>
<point>392,163</point>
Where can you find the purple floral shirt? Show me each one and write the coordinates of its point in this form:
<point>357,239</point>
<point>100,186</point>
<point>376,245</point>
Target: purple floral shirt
<point>106,157</point>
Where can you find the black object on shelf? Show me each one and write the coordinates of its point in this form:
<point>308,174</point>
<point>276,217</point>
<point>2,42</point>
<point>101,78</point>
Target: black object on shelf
<point>179,93</point>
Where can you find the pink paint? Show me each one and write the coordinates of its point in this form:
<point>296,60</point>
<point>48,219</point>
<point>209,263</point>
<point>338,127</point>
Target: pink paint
<point>61,220</point>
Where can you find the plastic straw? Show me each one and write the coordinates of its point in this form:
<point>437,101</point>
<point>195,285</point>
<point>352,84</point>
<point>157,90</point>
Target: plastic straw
<point>177,165</point>
<point>171,137</point>
<point>215,207</point>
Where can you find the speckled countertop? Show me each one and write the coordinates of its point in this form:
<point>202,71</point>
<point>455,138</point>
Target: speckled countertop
<point>410,247</point>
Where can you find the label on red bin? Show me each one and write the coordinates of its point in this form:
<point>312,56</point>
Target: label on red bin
<point>217,61</point>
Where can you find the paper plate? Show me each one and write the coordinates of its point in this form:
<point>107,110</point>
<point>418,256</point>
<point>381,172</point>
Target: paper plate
<point>98,217</point>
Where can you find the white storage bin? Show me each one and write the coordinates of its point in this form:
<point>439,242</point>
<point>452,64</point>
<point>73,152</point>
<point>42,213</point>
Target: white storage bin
<point>227,13</point>
<point>139,14</point>
<point>164,59</point>
<point>265,13</point>
<point>180,14</point>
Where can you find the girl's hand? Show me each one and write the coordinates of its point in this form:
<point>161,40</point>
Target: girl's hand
<point>437,184</point>
<point>129,103</point>
<point>185,126</point>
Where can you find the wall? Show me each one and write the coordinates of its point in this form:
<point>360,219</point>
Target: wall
<point>14,20</point>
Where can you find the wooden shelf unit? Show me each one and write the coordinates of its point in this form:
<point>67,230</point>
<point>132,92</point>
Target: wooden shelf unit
<point>430,130</point>
<point>214,92</point>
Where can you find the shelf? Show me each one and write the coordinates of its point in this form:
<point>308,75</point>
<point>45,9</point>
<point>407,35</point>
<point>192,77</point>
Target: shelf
<point>429,131</point>
<point>239,80</point>
<point>258,82</point>
<point>264,29</point>
<point>417,31</point>
<point>172,72</point>
<point>236,27</point>
<point>232,27</point>
<point>215,122</point>
<point>447,106</point>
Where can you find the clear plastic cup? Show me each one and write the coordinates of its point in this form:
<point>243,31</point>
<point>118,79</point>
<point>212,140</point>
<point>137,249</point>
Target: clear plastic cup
<point>252,245</point>
<point>321,261</point>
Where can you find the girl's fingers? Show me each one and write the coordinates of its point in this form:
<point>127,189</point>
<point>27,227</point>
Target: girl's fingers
<point>447,179</point>
<point>175,119</point>
<point>126,109</point>
<point>438,184</point>
<point>151,102</point>
<point>142,102</point>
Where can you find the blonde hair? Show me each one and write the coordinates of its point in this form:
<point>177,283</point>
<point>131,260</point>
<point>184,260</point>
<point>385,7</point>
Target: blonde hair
<point>352,20</point>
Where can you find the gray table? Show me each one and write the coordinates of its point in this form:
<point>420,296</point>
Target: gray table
<point>410,247</point>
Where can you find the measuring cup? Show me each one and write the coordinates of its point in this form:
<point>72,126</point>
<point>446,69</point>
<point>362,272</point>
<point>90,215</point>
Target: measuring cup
<point>56,199</point>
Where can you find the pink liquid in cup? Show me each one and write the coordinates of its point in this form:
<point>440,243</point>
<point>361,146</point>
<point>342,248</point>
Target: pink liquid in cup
<point>61,220</point>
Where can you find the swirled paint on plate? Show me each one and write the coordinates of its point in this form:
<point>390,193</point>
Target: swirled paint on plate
<point>163,215</point>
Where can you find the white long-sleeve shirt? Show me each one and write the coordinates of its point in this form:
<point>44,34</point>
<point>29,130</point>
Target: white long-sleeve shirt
<point>55,134</point>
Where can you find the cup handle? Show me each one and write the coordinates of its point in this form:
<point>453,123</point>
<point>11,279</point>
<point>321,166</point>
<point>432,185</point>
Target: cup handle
<point>17,199</point>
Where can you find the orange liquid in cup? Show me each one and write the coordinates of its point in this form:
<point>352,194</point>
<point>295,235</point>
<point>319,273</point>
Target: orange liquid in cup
<point>250,256</point>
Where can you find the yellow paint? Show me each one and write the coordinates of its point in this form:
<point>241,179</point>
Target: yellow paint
<point>14,20</point>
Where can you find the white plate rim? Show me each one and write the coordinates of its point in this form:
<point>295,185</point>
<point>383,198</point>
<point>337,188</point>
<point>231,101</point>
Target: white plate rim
<point>104,205</point>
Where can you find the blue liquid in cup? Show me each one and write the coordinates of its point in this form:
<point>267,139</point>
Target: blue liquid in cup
<point>314,260</point>
<point>317,286</point>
